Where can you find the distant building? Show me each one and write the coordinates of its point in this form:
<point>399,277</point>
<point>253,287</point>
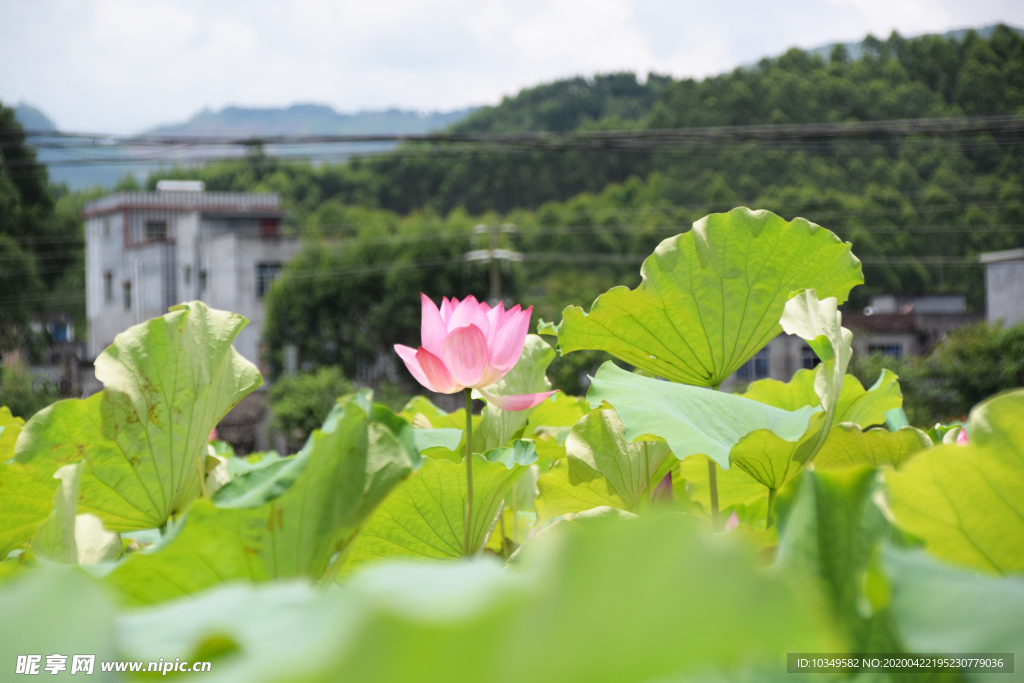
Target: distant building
<point>1004,286</point>
<point>893,325</point>
<point>147,251</point>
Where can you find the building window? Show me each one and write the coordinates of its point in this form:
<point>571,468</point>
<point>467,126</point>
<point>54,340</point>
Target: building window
<point>202,280</point>
<point>126,290</point>
<point>891,350</point>
<point>265,275</point>
<point>106,226</point>
<point>156,231</point>
<point>61,332</point>
<point>108,286</point>
<point>268,227</point>
<point>188,275</point>
<point>808,358</point>
<point>755,368</point>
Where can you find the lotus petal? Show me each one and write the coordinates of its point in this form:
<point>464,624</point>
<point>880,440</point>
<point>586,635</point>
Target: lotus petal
<point>437,373</point>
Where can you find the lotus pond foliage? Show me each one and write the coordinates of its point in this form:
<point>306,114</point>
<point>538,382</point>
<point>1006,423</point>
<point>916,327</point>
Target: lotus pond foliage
<point>656,529</point>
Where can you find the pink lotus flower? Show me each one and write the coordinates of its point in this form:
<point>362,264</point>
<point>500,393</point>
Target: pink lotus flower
<point>961,439</point>
<point>468,344</point>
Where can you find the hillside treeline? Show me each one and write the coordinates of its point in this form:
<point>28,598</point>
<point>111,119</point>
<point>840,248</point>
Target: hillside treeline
<point>917,208</point>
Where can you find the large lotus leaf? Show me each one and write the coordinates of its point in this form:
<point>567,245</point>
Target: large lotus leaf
<point>939,608</point>
<point>792,395</point>
<point>350,470</point>
<point>692,420</point>
<point>498,427</point>
<point>168,383</point>
<point>967,502</point>
<point>671,602</point>
<point>868,407</point>
<point>425,516</point>
<point>262,485</point>
<point>831,529</point>
<point>772,461</point>
<point>55,540</point>
<point>602,469</point>
<point>10,427</point>
<point>712,297</point>
<point>847,446</point>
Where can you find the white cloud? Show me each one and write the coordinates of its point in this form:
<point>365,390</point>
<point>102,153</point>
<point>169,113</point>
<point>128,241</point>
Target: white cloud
<point>122,65</point>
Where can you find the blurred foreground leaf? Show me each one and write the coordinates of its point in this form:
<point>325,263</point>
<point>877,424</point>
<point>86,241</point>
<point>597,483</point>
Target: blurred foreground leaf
<point>967,502</point>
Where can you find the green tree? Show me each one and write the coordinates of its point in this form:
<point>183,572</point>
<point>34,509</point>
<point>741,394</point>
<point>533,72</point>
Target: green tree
<point>300,403</point>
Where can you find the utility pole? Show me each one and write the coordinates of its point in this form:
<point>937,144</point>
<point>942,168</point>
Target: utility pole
<point>493,255</point>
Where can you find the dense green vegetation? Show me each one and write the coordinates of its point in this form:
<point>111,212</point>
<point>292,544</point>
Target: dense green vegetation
<point>41,265</point>
<point>300,403</point>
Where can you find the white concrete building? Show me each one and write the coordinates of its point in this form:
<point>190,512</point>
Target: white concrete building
<point>1004,286</point>
<point>893,325</point>
<point>147,251</point>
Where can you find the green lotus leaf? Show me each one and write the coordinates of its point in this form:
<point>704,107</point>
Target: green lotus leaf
<point>868,408</point>
<point>681,603</point>
<point>967,502</point>
<point>26,499</point>
<point>831,530</point>
<point>425,516</point>
<point>847,446</point>
<point>792,395</point>
<point>712,297</point>
<point>349,471</point>
<point>865,408</point>
<point>819,322</point>
<point>939,608</point>
<point>691,420</point>
<point>772,461</point>
<point>602,469</point>
<point>168,383</point>
<point>10,427</point>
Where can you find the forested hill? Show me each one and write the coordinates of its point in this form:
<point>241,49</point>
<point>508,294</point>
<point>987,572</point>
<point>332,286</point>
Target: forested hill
<point>615,100</point>
<point>918,208</point>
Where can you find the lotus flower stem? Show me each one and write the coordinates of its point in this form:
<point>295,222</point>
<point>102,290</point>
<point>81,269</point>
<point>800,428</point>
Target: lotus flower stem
<point>647,479</point>
<point>501,530</point>
<point>768,519</point>
<point>515,511</point>
<point>713,486</point>
<point>466,550</point>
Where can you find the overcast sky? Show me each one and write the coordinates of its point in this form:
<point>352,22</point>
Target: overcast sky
<point>126,65</point>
